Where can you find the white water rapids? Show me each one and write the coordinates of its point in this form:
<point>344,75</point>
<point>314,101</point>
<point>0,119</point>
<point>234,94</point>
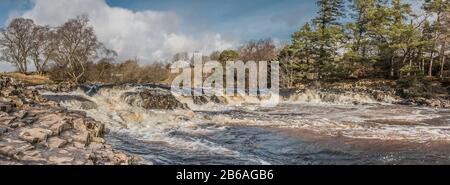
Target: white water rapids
<point>303,129</point>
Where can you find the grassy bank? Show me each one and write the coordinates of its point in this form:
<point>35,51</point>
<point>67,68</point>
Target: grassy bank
<point>28,80</point>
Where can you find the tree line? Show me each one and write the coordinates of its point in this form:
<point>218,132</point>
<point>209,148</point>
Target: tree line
<point>70,52</point>
<point>69,46</point>
<point>347,39</point>
<point>370,38</point>
<point>352,39</point>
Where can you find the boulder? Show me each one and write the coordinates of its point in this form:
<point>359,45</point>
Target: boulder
<point>153,99</point>
<point>34,135</point>
<point>56,142</point>
<point>98,129</point>
<point>36,131</point>
<point>84,138</point>
<point>78,124</point>
<point>59,127</point>
<point>200,100</point>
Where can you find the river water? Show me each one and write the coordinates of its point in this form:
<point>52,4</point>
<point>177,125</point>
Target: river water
<point>303,129</point>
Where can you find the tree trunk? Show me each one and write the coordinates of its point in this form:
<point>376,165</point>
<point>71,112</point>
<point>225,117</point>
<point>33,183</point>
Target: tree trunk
<point>441,74</point>
<point>392,67</point>
<point>22,67</point>
<point>410,65</point>
<point>430,70</point>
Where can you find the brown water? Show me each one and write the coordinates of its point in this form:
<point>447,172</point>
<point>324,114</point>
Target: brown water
<point>295,132</point>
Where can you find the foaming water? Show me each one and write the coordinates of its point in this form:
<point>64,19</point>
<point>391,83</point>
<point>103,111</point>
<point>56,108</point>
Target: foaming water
<point>176,132</point>
<point>308,128</point>
<point>346,98</point>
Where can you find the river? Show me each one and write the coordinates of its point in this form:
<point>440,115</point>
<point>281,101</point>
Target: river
<point>302,129</point>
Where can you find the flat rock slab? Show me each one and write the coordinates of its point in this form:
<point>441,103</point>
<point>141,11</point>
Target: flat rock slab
<point>56,142</point>
<point>36,131</point>
<point>34,135</point>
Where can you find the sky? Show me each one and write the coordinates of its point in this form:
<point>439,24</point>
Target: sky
<point>154,30</point>
<point>248,19</point>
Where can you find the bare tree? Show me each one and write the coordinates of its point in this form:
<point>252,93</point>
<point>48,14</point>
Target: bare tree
<point>16,42</point>
<point>42,47</point>
<point>76,45</point>
<point>261,50</point>
<point>107,58</point>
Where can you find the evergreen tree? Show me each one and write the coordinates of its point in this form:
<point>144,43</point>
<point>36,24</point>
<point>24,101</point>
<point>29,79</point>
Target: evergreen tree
<point>440,9</point>
<point>358,46</point>
<point>330,34</point>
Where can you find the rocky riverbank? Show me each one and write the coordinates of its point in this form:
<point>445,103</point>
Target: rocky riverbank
<point>36,131</point>
<point>387,91</point>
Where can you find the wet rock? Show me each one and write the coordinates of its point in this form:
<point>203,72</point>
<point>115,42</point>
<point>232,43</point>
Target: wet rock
<point>17,124</point>
<point>121,158</point>
<point>15,149</point>
<point>59,127</point>
<point>56,142</point>
<point>36,131</point>
<point>6,107</point>
<point>50,119</point>
<point>8,151</point>
<point>3,130</point>
<point>98,130</point>
<point>33,156</point>
<point>34,135</point>
<point>88,105</point>
<point>83,138</point>
<point>29,121</point>
<point>76,114</point>
<point>200,100</point>
<point>98,140</point>
<point>61,87</point>
<point>219,100</point>
<point>78,124</point>
<point>21,114</point>
<point>79,145</point>
<point>61,160</point>
<point>153,99</point>
<point>96,146</point>
<point>7,120</point>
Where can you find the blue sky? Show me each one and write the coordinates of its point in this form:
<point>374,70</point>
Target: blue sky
<point>154,30</point>
<point>246,19</point>
<point>9,6</point>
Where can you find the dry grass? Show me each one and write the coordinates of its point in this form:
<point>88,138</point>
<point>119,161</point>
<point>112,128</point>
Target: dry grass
<point>28,80</point>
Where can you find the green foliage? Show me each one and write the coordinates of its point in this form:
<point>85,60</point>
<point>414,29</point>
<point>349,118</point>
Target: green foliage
<point>383,39</point>
<point>412,80</point>
<point>228,55</point>
<point>411,83</point>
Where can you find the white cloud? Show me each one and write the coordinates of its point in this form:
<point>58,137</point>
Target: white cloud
<point>148,35</point>
<point>6,67</point>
